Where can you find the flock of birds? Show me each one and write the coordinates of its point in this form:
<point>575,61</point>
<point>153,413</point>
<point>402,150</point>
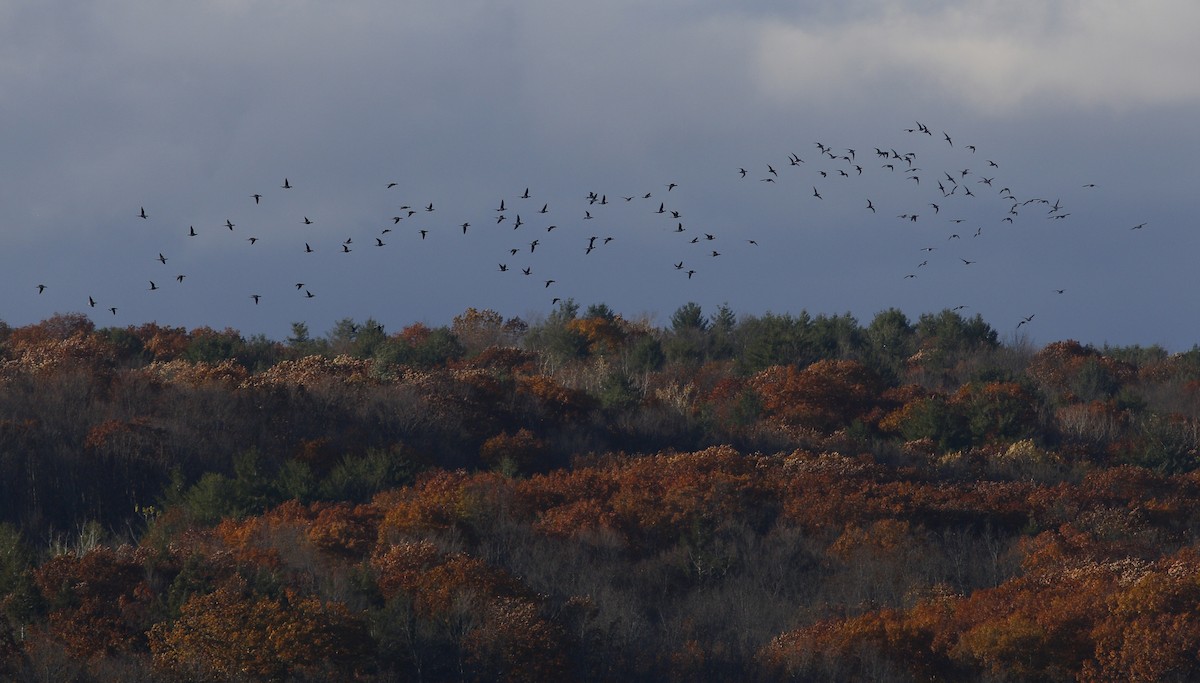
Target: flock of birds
<point>938,194</point>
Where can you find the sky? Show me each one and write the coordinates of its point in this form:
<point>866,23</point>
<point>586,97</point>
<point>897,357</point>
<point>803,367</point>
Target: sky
<point>1069,122</point>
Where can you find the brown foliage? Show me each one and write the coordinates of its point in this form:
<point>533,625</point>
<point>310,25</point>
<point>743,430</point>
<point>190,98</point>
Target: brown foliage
<point>825,396</point>
<point>233,633</point>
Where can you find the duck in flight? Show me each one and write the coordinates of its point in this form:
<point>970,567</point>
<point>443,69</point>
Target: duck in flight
<point>286,185</point>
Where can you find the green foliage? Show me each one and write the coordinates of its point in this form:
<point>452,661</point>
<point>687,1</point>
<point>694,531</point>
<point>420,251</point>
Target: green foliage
<point>937,419</point>
<point>688,317</point>
<point>645,355</point>
<point>358,478</point>
<point>217,496</point>
<point>773,339</point>
<point>18,597</point>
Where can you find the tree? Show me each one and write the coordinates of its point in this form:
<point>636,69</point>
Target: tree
<point>233,633</point>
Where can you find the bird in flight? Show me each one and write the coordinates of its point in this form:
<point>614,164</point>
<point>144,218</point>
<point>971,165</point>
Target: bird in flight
<point>191,231</point>
<point>256,297</point>
<point>257,198</point>
<point>286,185</point>
<point>41,288</point>
<point>228,224</point>
<point>161,258</point>
<point>153,286</point>
<point>142,213</point>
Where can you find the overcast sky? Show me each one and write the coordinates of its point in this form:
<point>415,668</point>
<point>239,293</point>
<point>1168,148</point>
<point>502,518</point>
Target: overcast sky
<point>1087,110</point>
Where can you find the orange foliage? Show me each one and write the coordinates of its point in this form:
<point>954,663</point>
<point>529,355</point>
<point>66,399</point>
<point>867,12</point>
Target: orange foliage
<point>98,601</point>
<point>233,633</point>
<point>603,335</point>
<point>825,396</point>
<point>522,449</point>
<point>439,500</point>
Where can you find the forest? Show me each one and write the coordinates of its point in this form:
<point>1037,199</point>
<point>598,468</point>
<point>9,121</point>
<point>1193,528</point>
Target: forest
<point>593,498</point>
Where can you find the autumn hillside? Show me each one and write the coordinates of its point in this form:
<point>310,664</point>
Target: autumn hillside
<point>593,498</point>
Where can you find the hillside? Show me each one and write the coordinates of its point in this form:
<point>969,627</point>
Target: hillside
<point>593,498</point>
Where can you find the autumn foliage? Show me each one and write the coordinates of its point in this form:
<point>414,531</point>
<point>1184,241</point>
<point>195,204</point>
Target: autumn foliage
<point>591,498</point>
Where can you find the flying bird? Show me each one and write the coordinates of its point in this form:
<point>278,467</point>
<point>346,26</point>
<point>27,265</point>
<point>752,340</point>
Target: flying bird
<point>257,198</point>
<point>286,185</point>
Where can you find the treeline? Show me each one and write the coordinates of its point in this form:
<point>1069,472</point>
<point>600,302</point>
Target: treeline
<point>594,498</point>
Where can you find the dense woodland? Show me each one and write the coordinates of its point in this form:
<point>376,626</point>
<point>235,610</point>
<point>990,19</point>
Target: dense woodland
<point>593,498</point>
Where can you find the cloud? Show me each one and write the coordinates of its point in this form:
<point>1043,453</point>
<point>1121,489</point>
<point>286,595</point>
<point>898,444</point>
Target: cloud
<point>992,56</point>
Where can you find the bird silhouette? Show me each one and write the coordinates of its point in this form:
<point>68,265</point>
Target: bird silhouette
<point>286,185</point>
<point>256,297</point>
<point>257,198</point>
<point>41,288</point>
<point>142,213</point>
